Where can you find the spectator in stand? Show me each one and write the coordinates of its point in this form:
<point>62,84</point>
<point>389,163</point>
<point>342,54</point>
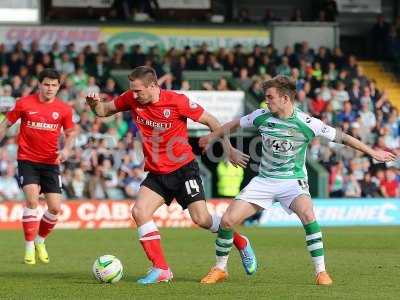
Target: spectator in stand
<point>347,114</point>
<point>355,95</point>
<point>78,186</point>
<point>132,182</point>
<point>97,185</point>
<point>352,189</point>
<point>9,188</point>
<point>244,80</point>
<point>379,37</point>
<point>317,106</point>
<point>297,15</point>
<point>390,184</point>
<point>284,68</point>
<point>369,189</point>
<point>269,16</point>
<point>256,90</point>
<point>336,181</point>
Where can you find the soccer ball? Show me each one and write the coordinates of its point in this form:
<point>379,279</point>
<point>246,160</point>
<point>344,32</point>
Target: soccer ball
<point>107,269</point>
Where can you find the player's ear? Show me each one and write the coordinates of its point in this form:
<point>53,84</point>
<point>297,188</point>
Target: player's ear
<point>286,98</point>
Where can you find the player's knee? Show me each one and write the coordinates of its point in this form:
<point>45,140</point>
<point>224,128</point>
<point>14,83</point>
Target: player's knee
<point>227,222</point>
<point>203,220</point>
<point>138,213</point>
<point>32,203</point>
<point>54,210</point>
<point>307,216</point>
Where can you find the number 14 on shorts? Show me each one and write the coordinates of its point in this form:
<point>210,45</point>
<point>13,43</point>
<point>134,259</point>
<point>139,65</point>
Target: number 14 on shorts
<point>192,187</point>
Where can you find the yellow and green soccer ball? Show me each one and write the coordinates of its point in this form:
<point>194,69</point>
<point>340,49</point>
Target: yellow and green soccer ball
<point>107,269</point>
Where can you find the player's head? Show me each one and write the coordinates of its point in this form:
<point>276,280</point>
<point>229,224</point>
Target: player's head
<point>50,81</point>
<point>143,82</point>
<point>279,92</point>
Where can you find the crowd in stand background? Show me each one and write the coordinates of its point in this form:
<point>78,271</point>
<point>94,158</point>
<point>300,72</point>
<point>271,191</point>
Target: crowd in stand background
<point>107,161</point>
<point>150,11</point>
<point>385,39</point>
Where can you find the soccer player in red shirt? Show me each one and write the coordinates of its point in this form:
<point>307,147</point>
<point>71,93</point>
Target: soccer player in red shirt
<point>161,117</point>
<point>42,118</point>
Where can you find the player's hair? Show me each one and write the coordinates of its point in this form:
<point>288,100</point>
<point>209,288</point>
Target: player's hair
<point>146,74</point>
<point>49,73</point>
<point>283,84</point>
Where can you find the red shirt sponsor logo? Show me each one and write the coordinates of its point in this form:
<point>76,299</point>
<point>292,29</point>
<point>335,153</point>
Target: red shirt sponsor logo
<point>41,125</point>
<point>163,126</point>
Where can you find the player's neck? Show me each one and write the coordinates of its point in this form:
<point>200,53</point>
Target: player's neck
<point>156,96</point>
<point>286,113</point>
<point>45,100</point>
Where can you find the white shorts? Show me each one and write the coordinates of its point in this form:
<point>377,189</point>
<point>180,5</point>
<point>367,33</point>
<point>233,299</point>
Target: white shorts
<point>264,192</point>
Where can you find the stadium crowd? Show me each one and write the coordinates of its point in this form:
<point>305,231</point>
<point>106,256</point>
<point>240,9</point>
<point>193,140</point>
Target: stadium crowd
<point>107,161</point>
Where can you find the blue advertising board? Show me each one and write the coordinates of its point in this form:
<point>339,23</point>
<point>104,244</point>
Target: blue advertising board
<point>340,212</point>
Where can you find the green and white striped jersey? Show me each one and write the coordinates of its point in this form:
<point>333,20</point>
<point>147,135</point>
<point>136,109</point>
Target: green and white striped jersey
<point>285,141</point>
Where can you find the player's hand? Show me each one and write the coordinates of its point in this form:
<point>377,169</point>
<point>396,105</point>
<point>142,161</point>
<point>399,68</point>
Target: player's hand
<point>62,156</point>
<point>384,156</point>
<point>92,99</point>
<point>205,142</point>
<point>238,158</point>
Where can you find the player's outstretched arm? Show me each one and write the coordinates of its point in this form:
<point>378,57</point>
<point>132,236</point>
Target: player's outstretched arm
<point>99,107</point>
<point>219,132</point>
<point>380,155</point>
<point>236,157</point>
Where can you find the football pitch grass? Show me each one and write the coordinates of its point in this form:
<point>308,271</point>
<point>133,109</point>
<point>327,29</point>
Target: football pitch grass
<point>363,262</point>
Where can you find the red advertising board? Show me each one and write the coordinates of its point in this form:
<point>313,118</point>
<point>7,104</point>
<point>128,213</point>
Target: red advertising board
<point>106,214</point>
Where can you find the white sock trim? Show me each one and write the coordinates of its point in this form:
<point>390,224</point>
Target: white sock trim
<point>30,211</point>
<point>29,245</point>
<point>222,262</point>
<point>30,215</point>
<point>39,239</point>
<point>50,216</point>
<point>216,220</point>
<point>315,246</point>
<point>319,264</point>
<point>314,236</point>
<point>223,249</point>
<point>147,228</point>
<point>225,241</point>
<point>150,238</point>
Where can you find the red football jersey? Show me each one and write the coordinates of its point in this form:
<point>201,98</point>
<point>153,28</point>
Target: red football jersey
<point>163,126</point>
<point>40,129</point>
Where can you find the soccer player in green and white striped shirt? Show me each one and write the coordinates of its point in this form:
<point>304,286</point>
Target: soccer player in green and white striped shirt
<point>286,133</point>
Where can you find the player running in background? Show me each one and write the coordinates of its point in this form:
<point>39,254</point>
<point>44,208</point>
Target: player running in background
<point>161,117</point>
<point>43,118</point>
<point>282,177</point>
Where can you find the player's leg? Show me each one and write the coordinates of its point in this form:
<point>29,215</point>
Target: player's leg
<point>50,183</point>
<point>29,180</point>
<point>47,223</point>
<point>257,195</point>
<point>30,221</point>
<point>236,213</point>
<point>147,202</point>
<point>200,215</point>
<point>303,207</point>
<point>190,194</point>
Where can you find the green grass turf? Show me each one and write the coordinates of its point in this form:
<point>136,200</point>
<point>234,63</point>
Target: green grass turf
<point>364,263</point>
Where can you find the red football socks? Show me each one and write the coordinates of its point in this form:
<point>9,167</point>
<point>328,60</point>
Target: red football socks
<point>30,223</point>
<point>47,224</point>
<point>239,241</point>
<point>151,242</point>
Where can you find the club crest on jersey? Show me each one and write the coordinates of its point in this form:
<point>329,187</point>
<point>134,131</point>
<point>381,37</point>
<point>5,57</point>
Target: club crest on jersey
<point>193,105</point>
<point>55,115</point>
<point>167,112</point>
